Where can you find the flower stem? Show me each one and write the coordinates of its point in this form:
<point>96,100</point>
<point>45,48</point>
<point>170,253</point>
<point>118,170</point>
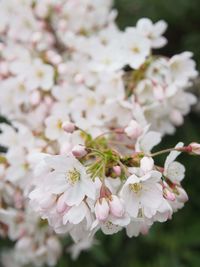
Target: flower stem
<point>164,151</point>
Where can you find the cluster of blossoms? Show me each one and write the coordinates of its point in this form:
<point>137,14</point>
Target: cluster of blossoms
<point>85,105</point>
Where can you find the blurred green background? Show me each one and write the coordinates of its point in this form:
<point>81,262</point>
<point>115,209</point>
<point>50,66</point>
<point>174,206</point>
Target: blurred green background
<point>177,242</point>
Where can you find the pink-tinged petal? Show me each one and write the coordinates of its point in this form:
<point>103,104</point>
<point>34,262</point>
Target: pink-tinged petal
<point>61,205</point>
<point>102,209</point>
<point>116,206</point>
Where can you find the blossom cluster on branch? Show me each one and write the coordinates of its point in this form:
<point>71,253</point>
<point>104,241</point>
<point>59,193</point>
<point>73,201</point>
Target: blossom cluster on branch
<point>85,105</point>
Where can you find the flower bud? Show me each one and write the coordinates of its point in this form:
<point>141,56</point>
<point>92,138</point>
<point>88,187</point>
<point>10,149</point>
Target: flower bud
<point>133,130</point>
<point>116,206</point>
<point>79,151</point>
<point>169,195</point>
<point>101,209</point>
<point>117,170</point>
<point>68,127</point>
<point>195,148</point>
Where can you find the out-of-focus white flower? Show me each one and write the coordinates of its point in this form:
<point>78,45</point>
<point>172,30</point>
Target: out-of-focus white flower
<point>152,31</point>
<point>135,48</point>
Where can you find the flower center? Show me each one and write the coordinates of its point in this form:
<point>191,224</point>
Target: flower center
<point>59,124</point>
<point>73,176</point>
<point>135,50</point>
<point>136,187</point>
<point>40,74</point>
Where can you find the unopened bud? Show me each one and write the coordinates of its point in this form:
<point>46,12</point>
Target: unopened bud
<point>79,151</point>
<point>195,148</point>
<point>117,170</point>
<point>116,206</point>
<point>68,126</point>
<point>102,209</point>
<point>169,195</point>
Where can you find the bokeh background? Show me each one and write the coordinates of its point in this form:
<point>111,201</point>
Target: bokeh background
<point>177,242</point>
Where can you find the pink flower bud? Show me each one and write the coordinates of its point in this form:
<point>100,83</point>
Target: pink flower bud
<point>68,126</point>
<point>79,151</point>
<point>116,206</point>
<point>195,148</point>
<point>61,205</point>
<point>169,195</point>
<point>133,130</point>
<point>101,209</point>
<point>117,170</point>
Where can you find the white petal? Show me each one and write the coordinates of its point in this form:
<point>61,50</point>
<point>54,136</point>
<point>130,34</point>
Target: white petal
<point>76,214</point>
<point>175,172</point>
<point>172,155</point>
